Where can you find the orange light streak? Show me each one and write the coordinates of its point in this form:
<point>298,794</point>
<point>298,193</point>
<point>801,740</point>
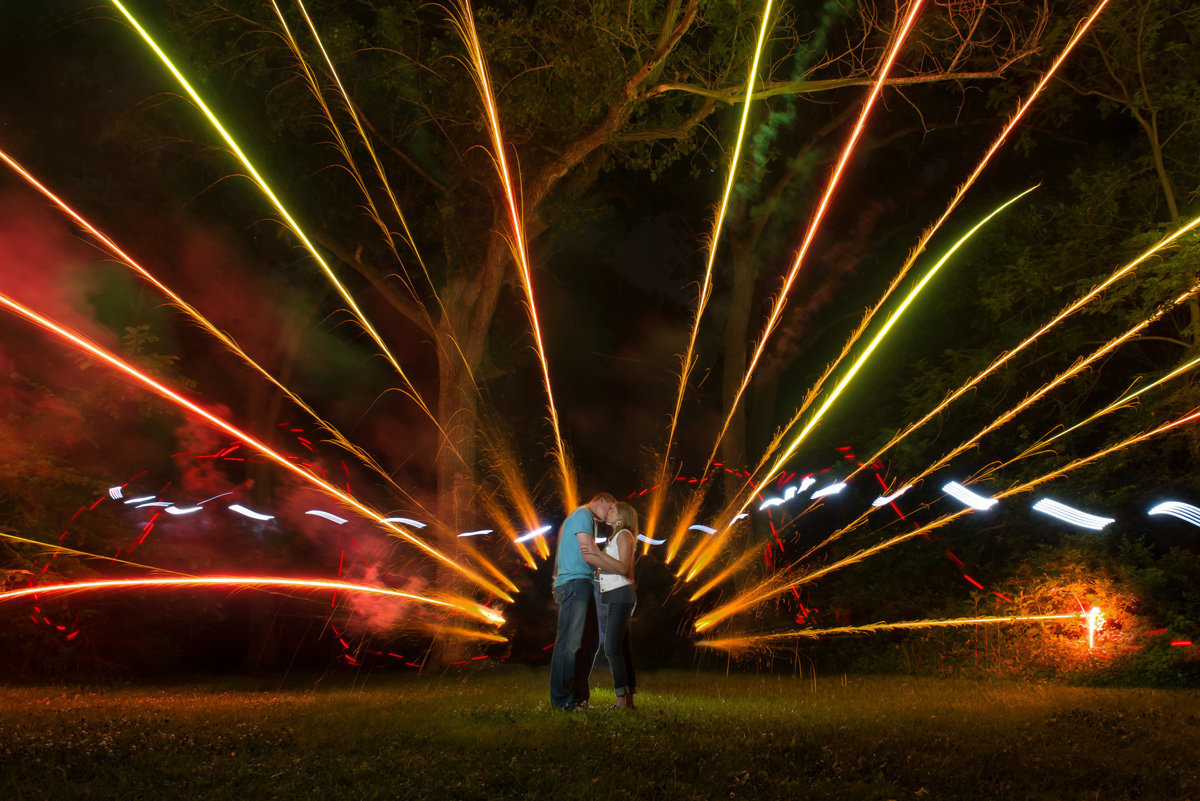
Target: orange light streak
<point>473,609</point>
<point>222,337</point>
<point>465,24</point>
<point>923,242</point>
<point>810,234</point>
<point>58,548</point>
<point>292,224</point>
<point>767,590</point>
<point>172,396</point>
<point>689,358</point>
<point>746,641</point>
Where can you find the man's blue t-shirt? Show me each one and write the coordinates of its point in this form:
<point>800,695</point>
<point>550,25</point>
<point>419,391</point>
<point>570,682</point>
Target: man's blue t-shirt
<point>569,562</point>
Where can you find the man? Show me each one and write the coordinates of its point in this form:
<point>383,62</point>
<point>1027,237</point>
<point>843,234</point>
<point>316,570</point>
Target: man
<point>575,565</point>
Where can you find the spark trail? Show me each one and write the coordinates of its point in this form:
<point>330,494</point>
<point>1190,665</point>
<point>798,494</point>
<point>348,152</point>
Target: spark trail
<point>925,238</point>
<point>688,361</point>
<point>737,643</point>
<point>410,390</point>
<point>774,586</point>
<point>464,22</point>
<point>1009,354</point>
<point>170,395</point>
<point>225,339</point>
<point>818,216</point>
<point>274,582</point>
<point>702,558</point>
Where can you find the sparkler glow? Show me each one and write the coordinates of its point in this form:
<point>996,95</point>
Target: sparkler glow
<point>170,395</point>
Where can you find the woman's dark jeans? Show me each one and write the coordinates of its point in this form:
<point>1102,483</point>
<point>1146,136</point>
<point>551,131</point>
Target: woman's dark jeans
<point>620,603</point>
<point>575,645</point>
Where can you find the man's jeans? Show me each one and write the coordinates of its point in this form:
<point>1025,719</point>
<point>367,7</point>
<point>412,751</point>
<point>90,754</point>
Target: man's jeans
<point>575,645</point>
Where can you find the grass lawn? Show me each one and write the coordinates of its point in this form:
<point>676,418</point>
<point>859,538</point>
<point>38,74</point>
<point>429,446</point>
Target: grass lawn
<point>492,735</point>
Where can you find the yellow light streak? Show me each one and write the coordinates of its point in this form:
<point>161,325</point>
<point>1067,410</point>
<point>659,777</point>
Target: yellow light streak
<point>929,232</point>
<point>174,397</point>
<point>290,221</point>
<point>751,640</point>
<point>53,546</point>
<point>818,216</point>
<point>464,22</point>
<point>688,361</point>
<point>774,587</point>
<point>703,559</point>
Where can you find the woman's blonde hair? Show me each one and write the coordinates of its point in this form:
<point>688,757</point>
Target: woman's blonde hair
<point>626,518</point>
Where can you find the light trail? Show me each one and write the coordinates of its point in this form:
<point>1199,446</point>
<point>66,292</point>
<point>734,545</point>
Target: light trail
<point>225,339</point>
<point>724,574</point>
<point>410,390</point>
<point>884,500</point>
<point>273,582</point>
<point>1184,511</point>
<point>748,641</point>
<point>250,513</point>
<point>464,23</point>
<point>688,361</point>
<point>174,397</point>
<point>1065,313</point>
<point>893,318</point>
<point>1071,515</point>
<point>356,173</point>
<point>818,216</point>
<point>770,588</point>
<point>968,498</point>
<point>929,233</point>
<point>57,548</point>
<point>332,518</point>
<point>832,489</point>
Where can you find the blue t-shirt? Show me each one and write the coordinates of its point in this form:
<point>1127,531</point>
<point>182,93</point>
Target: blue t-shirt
<point>568,563</point>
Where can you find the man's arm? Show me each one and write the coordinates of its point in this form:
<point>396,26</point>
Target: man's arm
<point>597,558</point>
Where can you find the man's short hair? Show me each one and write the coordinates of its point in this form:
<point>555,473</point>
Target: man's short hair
<point>603,496</point>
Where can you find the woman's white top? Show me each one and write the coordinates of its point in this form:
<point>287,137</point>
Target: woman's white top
<point>610,581</point>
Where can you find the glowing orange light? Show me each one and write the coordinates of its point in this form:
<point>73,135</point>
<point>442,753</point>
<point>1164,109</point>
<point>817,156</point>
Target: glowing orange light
<point>473,609</point>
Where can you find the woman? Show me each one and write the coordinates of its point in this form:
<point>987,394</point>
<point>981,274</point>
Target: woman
<point>618,594</point>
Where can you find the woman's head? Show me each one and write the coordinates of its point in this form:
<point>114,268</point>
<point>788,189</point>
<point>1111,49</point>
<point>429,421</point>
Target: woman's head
<point>626,518</point>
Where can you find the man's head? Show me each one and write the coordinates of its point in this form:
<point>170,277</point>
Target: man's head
<point>603,507</point>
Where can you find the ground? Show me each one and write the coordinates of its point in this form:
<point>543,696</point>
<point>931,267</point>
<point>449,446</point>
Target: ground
<point>490,734</point>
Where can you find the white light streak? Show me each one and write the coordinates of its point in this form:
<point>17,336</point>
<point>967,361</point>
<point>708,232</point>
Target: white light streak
<point>213,498</point>
<point>884,500</point>
<point>832,489</point>
<point>790,493</point>
<point>644,538</point>
<point>154,503</point>
<point>140,500</point>
<point>806,483</point>
<point>250,513</point>
<point>175,510</point>
<point>341,521</point>
<point>601,540</point>
<point>965,496</point>
<point>478,533</point>
<point>742,516</point>
<point>1184,511</point>
<point>705,529</point>
<point>404,521</point>
<point>533,534</point>
<point>115,493</point>
<point>769,502</point>
<point>1071,515</point>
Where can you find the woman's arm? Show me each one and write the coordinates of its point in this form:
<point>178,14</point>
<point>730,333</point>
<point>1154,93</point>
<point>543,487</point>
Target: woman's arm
<point>624,555</point>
